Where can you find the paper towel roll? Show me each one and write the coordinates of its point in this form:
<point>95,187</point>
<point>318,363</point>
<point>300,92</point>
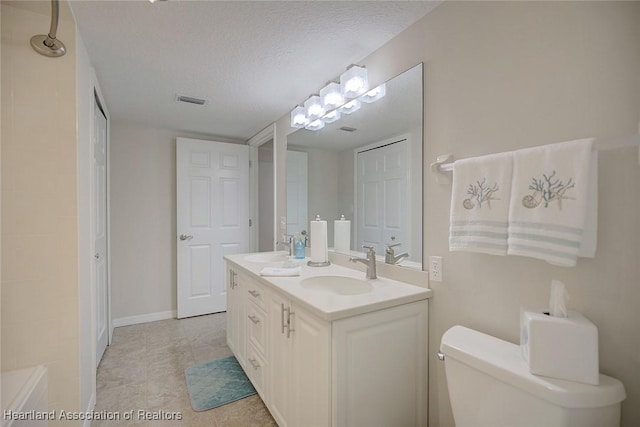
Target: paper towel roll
<point>342,235</point>
<point>319,245</point>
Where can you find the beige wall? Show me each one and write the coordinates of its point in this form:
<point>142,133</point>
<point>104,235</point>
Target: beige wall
<point>505,75</point>
<point>39,207</point>
<point>143,220</point>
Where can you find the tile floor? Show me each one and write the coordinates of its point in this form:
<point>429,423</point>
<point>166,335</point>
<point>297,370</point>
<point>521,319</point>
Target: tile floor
<point>143,369</point>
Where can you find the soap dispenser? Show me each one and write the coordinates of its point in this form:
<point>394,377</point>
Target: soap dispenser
<point>300,244</point>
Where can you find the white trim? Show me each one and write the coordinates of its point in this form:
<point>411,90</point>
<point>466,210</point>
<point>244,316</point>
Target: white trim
<point>144,318</point>
<point>89,409</point>
<point>265,135</point>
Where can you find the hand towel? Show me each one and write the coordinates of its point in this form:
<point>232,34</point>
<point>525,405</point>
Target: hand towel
<point>549,201</point>
<point>480,204</point>
<point>280,271</point>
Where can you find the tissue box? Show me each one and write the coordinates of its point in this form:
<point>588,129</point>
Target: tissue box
<point>559,347</point>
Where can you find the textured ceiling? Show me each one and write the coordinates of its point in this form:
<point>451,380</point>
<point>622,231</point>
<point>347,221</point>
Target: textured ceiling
<point>252,61</point>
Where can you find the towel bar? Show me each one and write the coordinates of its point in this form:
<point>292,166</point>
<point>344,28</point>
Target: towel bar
<point>444,163</point>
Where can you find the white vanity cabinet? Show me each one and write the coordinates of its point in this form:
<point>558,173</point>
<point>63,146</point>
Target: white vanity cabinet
<point>379,368</point>
<point>363,367</point>
<point>300,371</point>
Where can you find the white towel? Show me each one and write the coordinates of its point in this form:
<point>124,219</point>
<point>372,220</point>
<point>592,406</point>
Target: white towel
<point>280,271</point>
<point>480,204</point>
<point>549,201</point>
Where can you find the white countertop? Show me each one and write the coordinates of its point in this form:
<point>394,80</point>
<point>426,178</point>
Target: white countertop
<point>328,305</point>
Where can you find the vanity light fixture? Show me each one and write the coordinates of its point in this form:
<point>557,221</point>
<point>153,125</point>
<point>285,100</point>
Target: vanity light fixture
<point>314,108</point>
<point>350,107</point>
<point>329,105</point>
<point>331,116</point>
<point>374,94</point>
<point>354,82</point>
<point>315,125</point>
<point>299,117</point>
<point>331,96</point>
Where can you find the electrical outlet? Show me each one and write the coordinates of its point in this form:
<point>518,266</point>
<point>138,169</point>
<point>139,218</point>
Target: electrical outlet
<point>435,268</point>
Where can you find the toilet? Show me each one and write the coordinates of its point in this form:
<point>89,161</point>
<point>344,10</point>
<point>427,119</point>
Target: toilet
<point>490,386</point>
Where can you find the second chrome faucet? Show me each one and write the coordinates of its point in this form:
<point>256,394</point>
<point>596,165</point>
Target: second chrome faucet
<point>369,261</point>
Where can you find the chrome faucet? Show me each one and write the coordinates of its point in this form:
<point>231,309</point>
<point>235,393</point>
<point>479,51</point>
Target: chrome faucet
<point>369,261</point>
<point>390,256</point>
<point>288,241</point>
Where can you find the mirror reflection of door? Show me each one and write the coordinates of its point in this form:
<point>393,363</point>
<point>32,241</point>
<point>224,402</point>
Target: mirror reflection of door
<point>266,219</point>
<point>382,183</point>
<point>297,218</point>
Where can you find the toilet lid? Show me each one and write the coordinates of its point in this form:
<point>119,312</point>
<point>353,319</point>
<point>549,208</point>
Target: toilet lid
<point>503,360</point>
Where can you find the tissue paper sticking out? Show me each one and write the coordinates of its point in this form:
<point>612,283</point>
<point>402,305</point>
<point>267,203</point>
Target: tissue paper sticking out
<point>559,298</point>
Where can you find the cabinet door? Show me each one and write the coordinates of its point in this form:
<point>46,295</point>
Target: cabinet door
<point>232,297</point>
<point>309,370</point>
<point>279,355</point>
<point>236,320</point>
<point>380,368</point>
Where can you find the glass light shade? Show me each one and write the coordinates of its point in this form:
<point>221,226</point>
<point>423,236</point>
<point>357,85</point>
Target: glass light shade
<point>332,116</point>
<point>350,107</point>
<point>354,82</point>
<point>331,96</point>
<point>314,108</point>
<point>315,125</point>
<point>298,117</point>
<point>374,94</point>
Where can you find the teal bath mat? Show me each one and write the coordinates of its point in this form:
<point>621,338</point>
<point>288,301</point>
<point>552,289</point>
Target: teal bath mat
<point>217,383</point>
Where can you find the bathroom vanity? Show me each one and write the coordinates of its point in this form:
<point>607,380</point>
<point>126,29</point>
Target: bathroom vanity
<point>329,348</point>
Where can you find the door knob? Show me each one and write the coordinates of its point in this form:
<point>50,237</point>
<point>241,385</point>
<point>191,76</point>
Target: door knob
<point>186,237</point>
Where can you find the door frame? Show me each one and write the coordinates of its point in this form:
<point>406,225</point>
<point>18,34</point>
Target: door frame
<point>379,144</point>
<point>265,135</point>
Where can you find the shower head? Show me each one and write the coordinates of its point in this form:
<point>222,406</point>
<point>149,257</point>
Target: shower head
<point>48,45</point>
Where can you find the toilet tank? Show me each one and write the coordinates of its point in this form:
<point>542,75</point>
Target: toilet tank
<point>490,386</point>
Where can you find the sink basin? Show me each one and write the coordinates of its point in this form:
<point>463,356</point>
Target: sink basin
<point>267,257</point>
<point>340,285</point>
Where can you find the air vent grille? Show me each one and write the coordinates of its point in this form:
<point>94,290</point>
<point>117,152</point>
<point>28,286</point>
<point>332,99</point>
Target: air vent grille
<point>191,100</point>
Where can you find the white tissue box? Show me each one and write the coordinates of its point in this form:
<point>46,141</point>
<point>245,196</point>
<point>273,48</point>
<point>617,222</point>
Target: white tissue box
<point>557,347</point>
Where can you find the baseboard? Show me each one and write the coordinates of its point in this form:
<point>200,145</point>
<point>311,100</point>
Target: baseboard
<point>89,409</point>
<point>144,318</point>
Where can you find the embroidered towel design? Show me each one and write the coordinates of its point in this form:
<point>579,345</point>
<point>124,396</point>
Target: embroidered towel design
<point>480,204</point>
<point>548,207</point>
<point>480,193</point>
<point>548,189</point>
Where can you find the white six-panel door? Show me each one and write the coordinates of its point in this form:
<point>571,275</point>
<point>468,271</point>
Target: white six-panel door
<point>382,193</point>
<point>99,218</point>
<point>212,184</point>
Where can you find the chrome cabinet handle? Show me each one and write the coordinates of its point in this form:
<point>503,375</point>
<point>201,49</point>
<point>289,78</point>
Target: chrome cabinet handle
<point>254,319</point>
<point>282,318</point>
<point>186,237</point>
<point>254,294</point>
<point>289,328</point>
<point>254,363</point>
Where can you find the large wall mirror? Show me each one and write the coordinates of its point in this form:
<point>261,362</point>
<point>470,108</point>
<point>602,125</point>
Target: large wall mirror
<point>366,166</point>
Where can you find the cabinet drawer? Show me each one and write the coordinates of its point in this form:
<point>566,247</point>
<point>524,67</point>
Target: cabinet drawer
<point>256,293</point>
<point>257,327</point>
<point>256,370</point>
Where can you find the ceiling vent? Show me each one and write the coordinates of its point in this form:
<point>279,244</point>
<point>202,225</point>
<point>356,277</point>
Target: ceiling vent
<point>348,129</point>
<point>190,100</point>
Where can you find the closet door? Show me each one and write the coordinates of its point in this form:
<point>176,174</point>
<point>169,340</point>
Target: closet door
<point>383,196</point>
